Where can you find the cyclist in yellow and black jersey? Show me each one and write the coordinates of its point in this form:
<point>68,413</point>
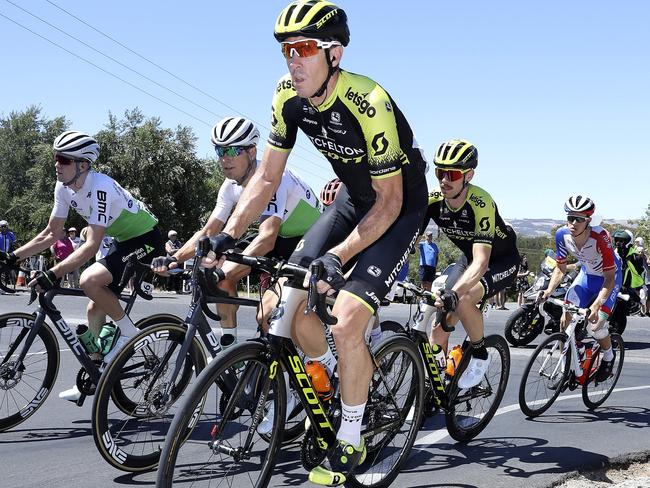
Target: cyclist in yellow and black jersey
<point>469,217</point>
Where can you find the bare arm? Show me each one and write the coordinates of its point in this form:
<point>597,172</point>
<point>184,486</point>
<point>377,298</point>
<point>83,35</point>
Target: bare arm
<point>263,243</point>
<point>378,219</point>
<point>82,254</point>
<point>556,278</point>
<point>475,270</point>
<point>258,192</point>
<point>43,239</point>
<point>188,250</point>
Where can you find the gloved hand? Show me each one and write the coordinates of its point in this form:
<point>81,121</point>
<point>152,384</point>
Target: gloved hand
<point>221,243</point>
<point>8,258</point>
<point>449,299</point>
<point>162,261</point>
<point>46,280</point>
<point>332,272</point>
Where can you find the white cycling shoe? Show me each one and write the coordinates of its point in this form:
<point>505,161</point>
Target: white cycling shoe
<point>117,347</point>
<point>474,372</point>
<point>266,425</point>
<point>72,395</point>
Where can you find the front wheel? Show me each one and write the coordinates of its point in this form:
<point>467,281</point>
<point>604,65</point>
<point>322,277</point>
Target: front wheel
<point>545,375</point>
<point>471,410</point>
<point>23,392</point>
<point>224,446</point>
<point>522,327</point>
<point>136,399</point>
<point>595,393</point>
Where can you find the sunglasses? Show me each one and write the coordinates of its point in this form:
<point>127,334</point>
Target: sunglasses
<point>232,151</point>
<point>450,174</point>
<point>63,160</point>
<point>305,48</point>
<point>575,218</point>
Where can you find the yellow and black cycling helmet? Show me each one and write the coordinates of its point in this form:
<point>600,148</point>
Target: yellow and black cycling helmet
<point>317,19</point>
<point>456,154</point>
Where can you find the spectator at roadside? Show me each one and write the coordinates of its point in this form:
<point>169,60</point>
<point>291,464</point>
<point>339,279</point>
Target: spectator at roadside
<point>522,279</point>
<point>428,260</point>
<point>171,246</point>
<point>73,276</point>
<point>7,238</point>
<point>645,289</point>
<point>61,249</point>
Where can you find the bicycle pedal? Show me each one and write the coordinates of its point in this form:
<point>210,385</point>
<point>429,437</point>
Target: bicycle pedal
<point>81,400</point>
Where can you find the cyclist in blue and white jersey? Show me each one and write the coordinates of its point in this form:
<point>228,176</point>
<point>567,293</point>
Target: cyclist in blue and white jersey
<point>600,277</point>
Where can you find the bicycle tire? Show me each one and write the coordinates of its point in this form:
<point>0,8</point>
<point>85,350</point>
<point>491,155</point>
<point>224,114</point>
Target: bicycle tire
<point>391,427</point>
<point>518,331</point>
<point>211,447</point>
<point>536,384</point>
<point>158,318</point>
<point>470,411</point>
<point>130,416</point>
<point>594,394</point>
<point>21,397</point>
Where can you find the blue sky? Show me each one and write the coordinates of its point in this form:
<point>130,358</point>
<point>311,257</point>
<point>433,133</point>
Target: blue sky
<point>554,94</point>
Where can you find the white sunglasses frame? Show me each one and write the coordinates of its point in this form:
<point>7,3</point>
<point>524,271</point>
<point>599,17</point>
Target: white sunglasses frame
<point>320,44</point>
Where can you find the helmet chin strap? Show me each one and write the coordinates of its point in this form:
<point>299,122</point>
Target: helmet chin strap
<point>330,71</point>
<point>241,180</point>
<point>465,183</point>
<point>77,173</point>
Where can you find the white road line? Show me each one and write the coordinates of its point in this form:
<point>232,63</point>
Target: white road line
<point>437,435</point>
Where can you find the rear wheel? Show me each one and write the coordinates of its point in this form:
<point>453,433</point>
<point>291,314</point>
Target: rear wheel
<point>135,400</point>
<point>472,409</point>
<point>595,393</point>
<point>544,375</point>
<point>23,392</point>
<point>521,329</point>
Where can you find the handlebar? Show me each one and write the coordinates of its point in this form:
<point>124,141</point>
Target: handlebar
<point>569,307</point>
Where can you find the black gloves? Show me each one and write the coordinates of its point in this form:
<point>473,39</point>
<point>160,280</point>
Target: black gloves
<point>221,243</point>
<point>8,258</point>
<point>161,261</point>
<point>449,300</point>
<point>46,280</point>
<point>332,273</point>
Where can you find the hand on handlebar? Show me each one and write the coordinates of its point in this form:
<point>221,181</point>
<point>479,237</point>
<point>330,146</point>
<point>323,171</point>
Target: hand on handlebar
<point>44,281</point>
<point>447,300</point>
<point>332,278</point>
<point>161,264</point>
<point>8,258</point>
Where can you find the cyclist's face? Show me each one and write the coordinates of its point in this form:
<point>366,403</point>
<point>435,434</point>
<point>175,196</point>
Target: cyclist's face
<point>234,167</point>
<point>577,225</point>
<point>450,188</point>
<point>65,170</point>
<point>308,73</point>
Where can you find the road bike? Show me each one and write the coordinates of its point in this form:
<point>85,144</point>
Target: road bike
<point>467,411</point>
<point>214,435</point>
<point>29,351</point>
<point>568,360</point>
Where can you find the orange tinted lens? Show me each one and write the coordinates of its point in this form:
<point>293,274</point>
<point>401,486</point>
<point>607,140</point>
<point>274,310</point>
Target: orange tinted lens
<point>450,174</point>
<point>304,49</point>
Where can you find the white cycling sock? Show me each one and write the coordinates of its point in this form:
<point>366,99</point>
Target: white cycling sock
<point>126,326</point>
<point>328,360</point>
<point>608,354</point>
<point>375,335</point>
<point>350,430</point>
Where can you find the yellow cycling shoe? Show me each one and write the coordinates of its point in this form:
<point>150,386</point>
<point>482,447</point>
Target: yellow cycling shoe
<point>342,461</point>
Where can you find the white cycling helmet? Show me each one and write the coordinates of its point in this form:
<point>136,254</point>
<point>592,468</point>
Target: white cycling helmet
<point>171,233</point>
<point>77,145</point>
<point>579,204</point>
<point>235,131</point>
<point>4,223</point>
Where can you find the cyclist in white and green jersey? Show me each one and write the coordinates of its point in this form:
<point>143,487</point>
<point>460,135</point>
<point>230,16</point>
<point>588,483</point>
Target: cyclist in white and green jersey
<point>292,210</point>
<point>109,210</point>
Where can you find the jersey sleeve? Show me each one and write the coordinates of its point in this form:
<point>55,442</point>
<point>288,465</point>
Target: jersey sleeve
<point>225,202</point>
<point>284,129</point>
<point>379,125</point>
<point>604,245</point>
<point>560,246</point>
<point>61,203</point>
<point>485,216</point>
<point>278,203</point>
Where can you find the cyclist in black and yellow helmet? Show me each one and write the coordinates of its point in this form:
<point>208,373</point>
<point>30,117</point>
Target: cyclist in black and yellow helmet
<point>469,217</point>
<point>376,216</point>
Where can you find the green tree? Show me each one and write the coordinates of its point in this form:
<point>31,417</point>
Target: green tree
<point>160,167</point>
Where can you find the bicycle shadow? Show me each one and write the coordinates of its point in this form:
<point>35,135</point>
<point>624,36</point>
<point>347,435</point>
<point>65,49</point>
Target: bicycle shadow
<point>20,436</point>
<point>636,345</point>
<point>632,417</point>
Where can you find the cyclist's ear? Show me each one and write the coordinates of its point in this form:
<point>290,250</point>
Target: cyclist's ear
<point>336,53</point>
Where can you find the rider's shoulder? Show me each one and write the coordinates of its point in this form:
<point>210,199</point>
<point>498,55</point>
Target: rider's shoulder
<point>435,196</point>
<point>284,87</point>
<point>478,197</point>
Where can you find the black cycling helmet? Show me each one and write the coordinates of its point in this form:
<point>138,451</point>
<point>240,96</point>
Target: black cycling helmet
<point>624,236</point>
<point>317,19</point>
<point>329,192</point>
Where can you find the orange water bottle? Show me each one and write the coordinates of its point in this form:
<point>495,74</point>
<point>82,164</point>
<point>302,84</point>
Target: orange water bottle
<point>320,379</point>
<point>453,360</point>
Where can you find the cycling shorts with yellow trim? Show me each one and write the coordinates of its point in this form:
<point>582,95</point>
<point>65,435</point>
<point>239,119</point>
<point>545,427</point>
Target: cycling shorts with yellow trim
<point>501,273</point>
<point>377,266</point>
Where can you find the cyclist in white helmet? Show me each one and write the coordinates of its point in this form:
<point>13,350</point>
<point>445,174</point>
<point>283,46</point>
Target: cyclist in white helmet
<point>291,211</point>
<point>109,210</point>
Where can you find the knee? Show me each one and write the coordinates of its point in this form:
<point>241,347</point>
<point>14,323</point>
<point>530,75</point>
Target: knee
<point>348,337</point>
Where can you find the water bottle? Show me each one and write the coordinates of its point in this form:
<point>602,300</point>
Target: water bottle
<point>439,356</point>
<point>453,360</point>
<point>106,337</point>
<point>87,339</point>
<point>320,379</point>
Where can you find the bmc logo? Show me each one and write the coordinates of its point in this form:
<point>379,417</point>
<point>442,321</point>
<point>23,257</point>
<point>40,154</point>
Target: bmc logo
<point>360,101</point>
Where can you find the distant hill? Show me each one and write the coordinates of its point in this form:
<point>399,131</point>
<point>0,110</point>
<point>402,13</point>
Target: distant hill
<point>540,227</point>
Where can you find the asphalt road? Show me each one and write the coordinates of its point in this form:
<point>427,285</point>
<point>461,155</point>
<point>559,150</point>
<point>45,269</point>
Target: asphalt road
<point>55,448</point>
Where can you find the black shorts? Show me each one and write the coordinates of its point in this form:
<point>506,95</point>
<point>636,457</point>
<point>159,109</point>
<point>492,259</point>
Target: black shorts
<point>501,273</point>
<point>377,266</point>
<point>427,273</point>
<point>147,246</point>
